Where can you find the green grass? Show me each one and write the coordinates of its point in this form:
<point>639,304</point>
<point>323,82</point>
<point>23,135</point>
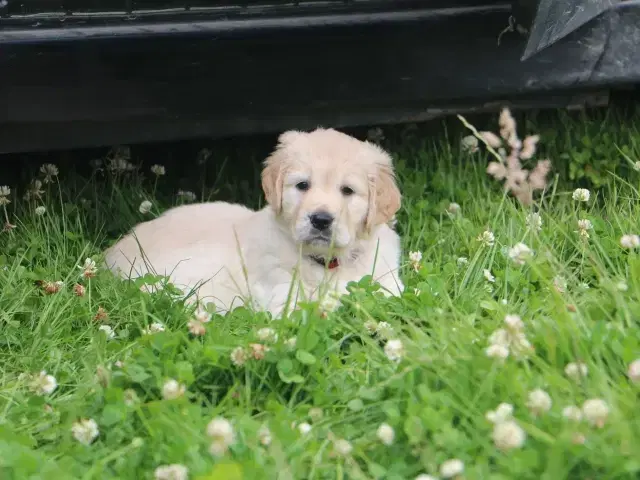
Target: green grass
<point>435,399</point>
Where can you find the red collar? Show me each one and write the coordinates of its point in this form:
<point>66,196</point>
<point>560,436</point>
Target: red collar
<point>330,264</point>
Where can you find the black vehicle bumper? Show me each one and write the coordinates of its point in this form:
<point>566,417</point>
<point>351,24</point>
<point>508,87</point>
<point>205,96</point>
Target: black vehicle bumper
<point>101,80</point>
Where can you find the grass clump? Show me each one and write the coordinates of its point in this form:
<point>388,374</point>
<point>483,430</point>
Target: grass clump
<point>512,353</point>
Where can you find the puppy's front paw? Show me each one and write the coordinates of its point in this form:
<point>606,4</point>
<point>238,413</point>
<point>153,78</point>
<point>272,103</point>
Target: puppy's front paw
<point>280,300</point>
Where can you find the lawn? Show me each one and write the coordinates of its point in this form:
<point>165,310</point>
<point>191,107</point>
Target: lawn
<point>509,356</point>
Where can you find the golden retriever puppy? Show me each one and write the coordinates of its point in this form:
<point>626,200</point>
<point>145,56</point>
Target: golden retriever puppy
<point>330,198</point>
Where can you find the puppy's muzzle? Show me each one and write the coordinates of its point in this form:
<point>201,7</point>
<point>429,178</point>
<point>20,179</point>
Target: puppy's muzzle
<point>321,221</point>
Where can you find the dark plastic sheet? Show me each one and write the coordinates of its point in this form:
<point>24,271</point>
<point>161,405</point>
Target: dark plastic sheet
<point>555,19</point>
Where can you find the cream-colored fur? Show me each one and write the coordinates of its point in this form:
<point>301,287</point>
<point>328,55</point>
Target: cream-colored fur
<point>231,255</point>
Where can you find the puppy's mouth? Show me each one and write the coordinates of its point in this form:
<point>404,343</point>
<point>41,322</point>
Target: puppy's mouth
<point>318,239</point>
<point>323,242</point>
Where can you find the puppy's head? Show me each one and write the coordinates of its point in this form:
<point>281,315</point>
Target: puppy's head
<point>329,188</point>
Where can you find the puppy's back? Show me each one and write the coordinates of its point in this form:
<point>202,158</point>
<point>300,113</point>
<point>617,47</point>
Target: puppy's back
<point>178,229</point>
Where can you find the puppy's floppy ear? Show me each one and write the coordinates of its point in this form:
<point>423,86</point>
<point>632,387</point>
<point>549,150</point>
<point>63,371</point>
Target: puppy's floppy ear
<point>384,196</point>
<point>272,180</point>
<point>272,173</point>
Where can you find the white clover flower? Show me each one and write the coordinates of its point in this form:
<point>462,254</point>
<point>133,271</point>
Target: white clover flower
<point>267,335</point>
<point>158,170</point>
<point>264,436</point>
<point>239,356</point>
<point>415,258</point>
<point>187,195</point>
<point>394,350</point>
<point>342,447</point>
<point>101,315</point>
<point>316,414</point>
<point>520,253</point>
<point>581,195</point>
<point>222,435</point>
<point>576,370</point>
<point>584,224</point>
<point>202,315</point>
<point>34,191</point>
<point>44,384</point>
<point>5,191</point>
<point>304,428</point>
<point>514,322</point>
<point>560,284</point>
<point>584,234</point>
<point>49,171</point>
<point>520,346</point>
<point>371,327</point>
<point>595,411</point>
<point>171,472</point>
<point>487,238</point>
<point>500,337</point>
<point>203,156</point>
<point>461,261</point>
<point>386,434</point>
<point>85,431</point>
<point>578,438</point>
<point>424,476</point>
<point>487,274</point>
<point>258,350</point>
<point>329,302</point>
<point>572,413</point>
<point>145,207</point>
<point>630,241</point>
<point>633,372</point>
<point>375,135</point>
<point>155,327</point>
<point>89,268</point>
<point>501,414</point>
<point>451,468</point>
<point>508,435</point>
<point>172,389</point>
<point>196,327</point>
<point>40,210</point>
<point>534,221</point>
<point>384,330</point>
<point>290,343</point>
<point>108,331</point>
<point>453,208</point>
<point>120,163</point>
<point>218,449</point>
<point>130,397</point>
<point>497,351</point>
<point>511,339</point>
<point>469,144</point>
<point>539,402</point>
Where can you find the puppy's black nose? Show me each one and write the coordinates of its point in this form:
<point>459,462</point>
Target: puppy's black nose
<point>321,220</point>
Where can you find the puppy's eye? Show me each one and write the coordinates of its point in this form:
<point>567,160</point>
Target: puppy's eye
<point>346,191</point>
<point>302,186</point>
